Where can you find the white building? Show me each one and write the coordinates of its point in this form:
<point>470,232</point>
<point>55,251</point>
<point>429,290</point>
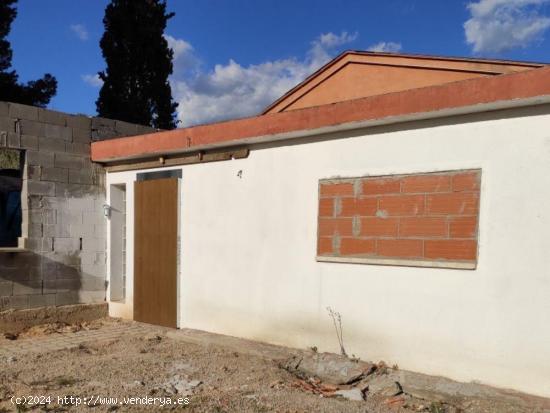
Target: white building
<point>420,214</point>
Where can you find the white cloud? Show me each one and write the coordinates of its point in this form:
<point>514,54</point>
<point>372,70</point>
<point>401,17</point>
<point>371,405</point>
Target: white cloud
<point>232,90</point>
<point>499,25</point>
<point>185,62</point>
<point>385,47</point>
<point>92,80</point>
<point>80,31</point>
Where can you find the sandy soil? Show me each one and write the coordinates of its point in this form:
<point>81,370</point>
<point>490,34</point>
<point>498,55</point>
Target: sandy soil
<point>214,379</point>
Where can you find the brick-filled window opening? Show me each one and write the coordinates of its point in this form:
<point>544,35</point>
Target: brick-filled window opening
<point>427,219</point>
<point>11,181</point>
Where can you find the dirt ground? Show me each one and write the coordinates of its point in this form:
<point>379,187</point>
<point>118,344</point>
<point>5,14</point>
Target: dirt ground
<point>212,379</point>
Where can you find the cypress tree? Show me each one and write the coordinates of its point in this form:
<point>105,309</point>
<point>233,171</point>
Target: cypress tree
<point>139,61</point>
<point>36,92</point>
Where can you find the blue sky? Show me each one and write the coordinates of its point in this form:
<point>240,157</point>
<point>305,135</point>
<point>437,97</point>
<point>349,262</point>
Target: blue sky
<point>235,57</point>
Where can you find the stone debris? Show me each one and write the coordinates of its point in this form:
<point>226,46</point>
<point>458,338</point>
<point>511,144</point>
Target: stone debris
<point>328,367</point>
<point>382,385</point>
<point>181,386</point>
<point>351,394</point>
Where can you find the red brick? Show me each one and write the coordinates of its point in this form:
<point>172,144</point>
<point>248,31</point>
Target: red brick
<point>376,186</point>
<point>331,226</point>
<point>326,207</point>
<point>423,227</point>
<point>379,227</point>
<point>467,181</point>
<point>465,203</point>
<point>402,205</point>
<point>451,249</point>
<point>400,248</point>
<point>355,246</point>
<point>426,183</point>
<point>341,189</point>
<point>362,207</point>
<point>324,246</point>
<point>463,227</point>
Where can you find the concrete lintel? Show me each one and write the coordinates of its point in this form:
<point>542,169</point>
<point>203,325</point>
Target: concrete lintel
<point>458,265</point>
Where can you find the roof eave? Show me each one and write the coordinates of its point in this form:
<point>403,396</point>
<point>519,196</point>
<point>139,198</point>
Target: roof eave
<point>468,96</point>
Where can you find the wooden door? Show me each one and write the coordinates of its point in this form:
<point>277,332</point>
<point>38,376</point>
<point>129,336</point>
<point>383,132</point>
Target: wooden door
<point>155,251</point>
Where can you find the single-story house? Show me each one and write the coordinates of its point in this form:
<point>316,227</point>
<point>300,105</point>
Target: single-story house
<point>410,194</point>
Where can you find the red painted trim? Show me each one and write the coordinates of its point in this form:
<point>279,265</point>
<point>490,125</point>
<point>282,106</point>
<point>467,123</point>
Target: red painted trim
<point>522,85</point>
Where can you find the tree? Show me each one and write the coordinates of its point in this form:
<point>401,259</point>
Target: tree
<point>139,61</point>
<point>36,92</point>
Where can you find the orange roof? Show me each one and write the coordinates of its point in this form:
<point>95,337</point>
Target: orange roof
<point>483,93</point>
<point>357,74</point>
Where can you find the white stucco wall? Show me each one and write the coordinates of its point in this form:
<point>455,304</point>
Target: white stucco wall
<point>248,247</point>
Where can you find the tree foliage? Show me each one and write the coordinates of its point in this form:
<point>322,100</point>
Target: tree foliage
<point>36,92</point>
<point>139,62</point>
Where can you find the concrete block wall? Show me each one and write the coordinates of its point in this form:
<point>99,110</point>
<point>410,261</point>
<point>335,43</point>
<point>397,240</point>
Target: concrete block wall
<point>64,230</point>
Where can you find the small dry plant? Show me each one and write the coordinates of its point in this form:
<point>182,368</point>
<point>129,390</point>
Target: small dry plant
<point>337,321</point>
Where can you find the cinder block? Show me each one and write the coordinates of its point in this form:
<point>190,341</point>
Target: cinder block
<point>6,288</point>
<point>27,287</point>
<point>82,230</point>
<point>58,132</point>
<point>82,135</point>
<point>64,160</point>
<point>40,188</point>
<point>79,122</point>
<point>35,234</point>
<point>4,108</point>
<point>40,158</point>
<point>99,122</point>
<point>93,258</point>
<point>12,274</point>
<point>55,174</point>
<point>94,270</point>
<point>142,129</point>
<point>49,285</point>
<point>92,296</point>
<point>100,230</point>
<point>125,129</point>
<point>52,144</point>
<point>53,117</point>
<point>35,201</point>
<point>30,127</point>
<point>42,216</point>
<point>93,244</point>
<point>92,283</point>
<point>70,260</point>
<point>67,298</point>
<point>81,176</point>
<point>66,217</point>
<point>7,124</point>
<point>71,284</point>
<point>36,243</point>
<point>79,148</point>
<point>77,190</point>
<point>14,140</point>
<point>45,300</point>
<point>56,231</point>
<point>29,142</point>
<point>94,217</point>
<point>19,302</point>
<point>66,245</point>
<point>56,270</point>
<point>19,111</point>
<point>34,172</point>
